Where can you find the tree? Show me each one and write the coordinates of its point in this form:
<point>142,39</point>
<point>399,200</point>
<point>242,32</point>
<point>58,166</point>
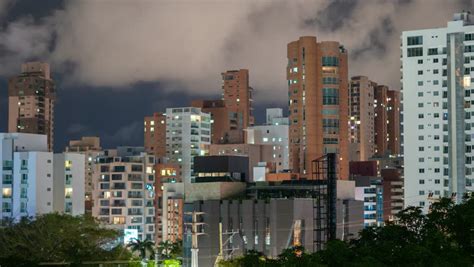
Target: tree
<point>142,247</point>
<point>57,238</point>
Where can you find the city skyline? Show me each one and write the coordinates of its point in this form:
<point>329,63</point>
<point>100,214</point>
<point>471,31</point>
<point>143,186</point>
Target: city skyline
<point>26,19</point>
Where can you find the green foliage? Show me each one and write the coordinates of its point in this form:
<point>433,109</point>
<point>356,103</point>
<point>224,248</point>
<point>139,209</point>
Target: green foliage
<point>142,247</point>
<point>444,237</point>
<point>56,238</point>
<point>170,250</point>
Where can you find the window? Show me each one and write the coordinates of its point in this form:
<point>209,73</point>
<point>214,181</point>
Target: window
<point>420,83</point>
<point>420,127</point>
<point>420,72</point>
<point>421,138</point>
<point>421,192</point>
<point>330,61</point>
<point>469,37</point>
<point>421,148</point>
<point>420,105</point>
<point>421,170</point>
<point>331,126</point>
<point>432,51</point>
<point>421,181</point>
<point>330,80</point>
<point>415,52</point>
<point>414,40</point>
<point>420,61</point>
<point>420,94</point>
<point>469,48</point>
<point>435,71</point>
<point>330,96</point>
<point>435,60</point>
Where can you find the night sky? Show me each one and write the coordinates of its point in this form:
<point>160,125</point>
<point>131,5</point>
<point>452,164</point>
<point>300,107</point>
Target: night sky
<point>115,61</point>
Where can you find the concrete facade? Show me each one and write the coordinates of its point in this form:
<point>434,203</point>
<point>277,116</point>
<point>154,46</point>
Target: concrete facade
<point>124,190</point>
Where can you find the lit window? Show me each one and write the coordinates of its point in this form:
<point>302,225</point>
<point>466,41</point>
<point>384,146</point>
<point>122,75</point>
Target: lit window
<point>68,192</point>
<point>265,139</point>
<point>152,123</point>
<point>149,170</point>
<point>7,192</point>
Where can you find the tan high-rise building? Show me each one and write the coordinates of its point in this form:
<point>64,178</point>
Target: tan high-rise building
<point>237,93</point>
<point>31,97</point>
<point>318,103</point>
<point>227,123</point>
<point>155,135</point>
<point>381,118</point>
<point>361,122</point>
<point>89,146</point>
<point>393,125</point>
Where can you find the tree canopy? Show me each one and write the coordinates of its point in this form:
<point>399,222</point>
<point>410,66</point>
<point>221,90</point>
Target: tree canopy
<point>57,238</point>
<point>443,237</point>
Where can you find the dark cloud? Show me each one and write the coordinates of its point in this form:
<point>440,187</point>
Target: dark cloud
<point>116,61</point>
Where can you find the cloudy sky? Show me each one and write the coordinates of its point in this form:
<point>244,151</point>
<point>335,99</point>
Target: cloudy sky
<point>115,61</point>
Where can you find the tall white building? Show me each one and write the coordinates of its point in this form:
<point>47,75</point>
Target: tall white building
<point>124,190</point>
<point>69,185</point>
<point>188,134</point>
<point>438,111</point>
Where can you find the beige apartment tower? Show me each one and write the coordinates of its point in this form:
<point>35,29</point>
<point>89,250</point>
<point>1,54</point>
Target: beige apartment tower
<point>318,103</point>
<point>361,122</point>
<point>237,94</point>
<point>31,97</point>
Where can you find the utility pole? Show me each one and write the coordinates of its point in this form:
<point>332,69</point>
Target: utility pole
<point>195,232</point>
<point>225,253</point>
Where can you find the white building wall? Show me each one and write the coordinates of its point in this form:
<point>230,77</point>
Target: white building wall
<point>11,197</point>
<point>69,184</point>
<point>426,134</point>
<point>275,135</point>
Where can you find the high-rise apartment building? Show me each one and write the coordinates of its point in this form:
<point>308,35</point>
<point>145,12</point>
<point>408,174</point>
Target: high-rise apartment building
<point>124,190</point>
<point>438,107</point>
<point>393,124</point>
<point>374,124</point>
<point>188,134</point>
<point>227,124</point>
<point>361,123</point>
<point>381,119</point>
<point>31,98</point>
<point>90,147</point>
<point>237,93</point>
<point>155,134</point>
<point>318,103</point>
